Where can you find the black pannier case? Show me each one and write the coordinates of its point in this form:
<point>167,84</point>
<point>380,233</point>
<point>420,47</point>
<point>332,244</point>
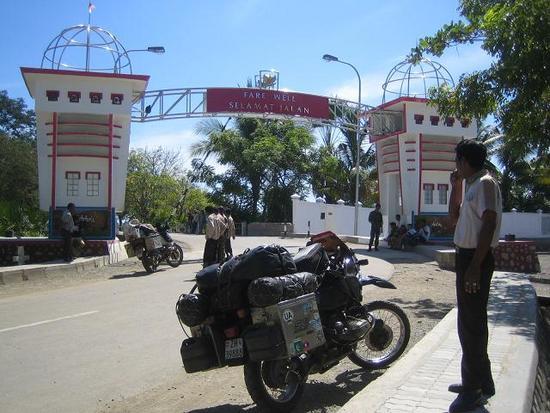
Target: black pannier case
<point>266,343</point>
<point>198,354</point>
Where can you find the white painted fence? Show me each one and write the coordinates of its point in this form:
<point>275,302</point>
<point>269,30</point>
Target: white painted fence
<point>340,219</point>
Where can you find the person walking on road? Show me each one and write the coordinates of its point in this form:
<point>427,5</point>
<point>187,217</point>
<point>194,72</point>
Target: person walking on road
<point>375,219</point>
<point>477,218</point>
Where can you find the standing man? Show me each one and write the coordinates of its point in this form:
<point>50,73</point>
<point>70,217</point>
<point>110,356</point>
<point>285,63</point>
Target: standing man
<point>68,228</point>
<point>222,234</point>
<point>375,219</point>
<point>477,219</point>
<point>211,235</point>
<point>230,234</point>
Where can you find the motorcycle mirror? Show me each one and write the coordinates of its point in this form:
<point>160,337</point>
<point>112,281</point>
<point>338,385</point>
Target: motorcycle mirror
<point>363,262</point>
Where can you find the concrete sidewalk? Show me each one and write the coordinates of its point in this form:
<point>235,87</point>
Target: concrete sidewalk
<point>418,381</point>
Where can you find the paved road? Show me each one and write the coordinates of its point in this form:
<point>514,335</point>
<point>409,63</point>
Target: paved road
<point>79,348</point>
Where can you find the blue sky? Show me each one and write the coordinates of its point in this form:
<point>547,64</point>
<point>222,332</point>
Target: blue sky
<point>222,43</point>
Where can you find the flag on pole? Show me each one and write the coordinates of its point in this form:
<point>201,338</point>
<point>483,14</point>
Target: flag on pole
<point>91,7</point>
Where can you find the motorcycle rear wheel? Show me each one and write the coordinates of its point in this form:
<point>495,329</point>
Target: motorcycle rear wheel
<point>273,385</point>
<point>387,340</point>
<point>175,255</point>
<point>150,262</point>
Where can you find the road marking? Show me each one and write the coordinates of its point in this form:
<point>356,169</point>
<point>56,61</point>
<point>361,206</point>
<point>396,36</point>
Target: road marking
<point>48,321</point>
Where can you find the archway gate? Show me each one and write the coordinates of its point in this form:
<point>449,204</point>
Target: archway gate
<point>184,103</point>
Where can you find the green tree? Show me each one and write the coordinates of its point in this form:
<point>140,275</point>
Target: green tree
<point>157,190</point>
<point>265,162</point>
<point>19,209</point>
<point>515,89</point>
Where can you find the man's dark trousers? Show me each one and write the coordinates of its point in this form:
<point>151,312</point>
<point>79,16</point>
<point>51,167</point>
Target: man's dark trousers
<point>210,252</point>
<point>472,321</point>
<point>67,244</point>
<point>374,236</point>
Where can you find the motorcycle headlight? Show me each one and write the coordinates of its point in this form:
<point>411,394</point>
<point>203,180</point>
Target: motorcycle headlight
<point>350,266</point>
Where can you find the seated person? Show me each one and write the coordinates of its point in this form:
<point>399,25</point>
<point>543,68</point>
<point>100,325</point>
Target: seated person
<point>410,237</point>
<point>423,234</point>
<point>401,233</point>
<point>393,235</point>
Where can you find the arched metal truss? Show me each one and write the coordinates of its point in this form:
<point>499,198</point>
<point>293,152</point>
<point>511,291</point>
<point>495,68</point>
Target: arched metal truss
<point>413,78</point>
<point>155,105</point>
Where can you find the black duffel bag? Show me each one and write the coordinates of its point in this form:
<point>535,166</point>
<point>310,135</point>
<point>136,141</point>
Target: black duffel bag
<point>263,261</point>
<point>208,278</point>
<point>267,291</point>
<point>192,309</point>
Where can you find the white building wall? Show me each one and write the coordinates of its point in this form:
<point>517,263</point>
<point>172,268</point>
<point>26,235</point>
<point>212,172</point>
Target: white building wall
<point>522,224</point>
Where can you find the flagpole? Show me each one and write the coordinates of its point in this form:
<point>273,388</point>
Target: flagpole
<point>88,36</point>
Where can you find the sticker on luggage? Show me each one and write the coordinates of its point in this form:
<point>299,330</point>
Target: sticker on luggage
<point>234,348</point>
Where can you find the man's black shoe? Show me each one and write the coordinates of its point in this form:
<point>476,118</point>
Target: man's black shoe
<point>466,401</point>
<point>486,390</point>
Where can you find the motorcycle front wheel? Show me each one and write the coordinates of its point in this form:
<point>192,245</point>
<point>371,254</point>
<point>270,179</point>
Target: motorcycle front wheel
<point>175,255</point>
<point>273,385</point>
<point>150,262</point>
<point>387,340</point>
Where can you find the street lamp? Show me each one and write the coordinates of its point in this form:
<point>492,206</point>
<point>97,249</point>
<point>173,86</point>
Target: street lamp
<point>150,49</point>
<point>330,58</point>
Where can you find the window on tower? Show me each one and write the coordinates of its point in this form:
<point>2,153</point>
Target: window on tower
<point>443,190</point>
<point>428,194</point>
<point>73,181</point>
<point>92,183</point>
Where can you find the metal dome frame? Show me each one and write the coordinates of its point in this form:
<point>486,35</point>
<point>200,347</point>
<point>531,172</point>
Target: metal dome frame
<point>53,54</point>
<point>437,72</point>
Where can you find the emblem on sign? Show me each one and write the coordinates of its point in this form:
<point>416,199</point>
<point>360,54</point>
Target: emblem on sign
<point>288,316</point>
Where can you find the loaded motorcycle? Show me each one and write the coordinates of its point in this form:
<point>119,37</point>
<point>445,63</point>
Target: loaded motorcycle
<point>284,318</point>
<point>152,245</point>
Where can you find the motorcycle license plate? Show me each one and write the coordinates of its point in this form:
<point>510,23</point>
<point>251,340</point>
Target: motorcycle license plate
<point>234,348</point>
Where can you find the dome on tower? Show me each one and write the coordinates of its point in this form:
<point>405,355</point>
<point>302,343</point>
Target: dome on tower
<point>87,48</point>
<point>414,78</point>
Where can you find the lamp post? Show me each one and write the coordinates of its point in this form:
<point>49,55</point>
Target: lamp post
<point>151,49</point>
<point>330,58</point>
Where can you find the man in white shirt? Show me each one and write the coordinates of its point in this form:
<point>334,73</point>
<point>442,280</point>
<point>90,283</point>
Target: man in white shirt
<point>477,219</point>
<point>212,233</point>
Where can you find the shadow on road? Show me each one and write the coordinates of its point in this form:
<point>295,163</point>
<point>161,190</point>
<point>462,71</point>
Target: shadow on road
<point>426,308</point>
<point>317,395</point>
<point>133,275</point>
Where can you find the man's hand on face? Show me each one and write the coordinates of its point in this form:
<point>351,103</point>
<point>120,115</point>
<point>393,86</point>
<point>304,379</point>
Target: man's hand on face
<point>456,178</point>
<point>472,279</point>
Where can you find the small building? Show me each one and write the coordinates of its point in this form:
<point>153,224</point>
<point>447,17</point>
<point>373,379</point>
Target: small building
<point>83,131</point>
<point>415,146</point>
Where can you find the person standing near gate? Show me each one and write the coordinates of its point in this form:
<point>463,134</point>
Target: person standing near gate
<point>211,235</point>
<point>477,218</point>
<point>68,229</point>
<point>230,234</point>
<point>375,219</point>
<point>222,234</point>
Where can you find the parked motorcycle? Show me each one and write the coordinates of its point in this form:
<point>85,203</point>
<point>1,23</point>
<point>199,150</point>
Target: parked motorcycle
<point>301,317</point>
<point>151,246</point>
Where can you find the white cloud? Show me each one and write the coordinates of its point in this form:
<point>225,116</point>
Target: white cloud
<point>371,88</point>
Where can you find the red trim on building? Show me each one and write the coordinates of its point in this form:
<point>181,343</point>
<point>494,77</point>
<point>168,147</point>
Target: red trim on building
<point>390,153</point>
<point>93,173</point>
<point>411,160</point>
<point>420,136</point>
<point>52,95</point>
<point>400,177</point>
<point>388,162</point>
<point>110,182</point>
<point>74,96</point>
<point>399,100</point>
<point>103,135</point>
<point>54,156</point>
<point>440,143</point>
<point>418,118</point>
<point>438,169</point>
<point>411,169</point>
<point>82,155</point>
<point>388,144</point>
<point>437,160</point>
<point>71,172</point>
<point>391,170</point>
<point>442,186</point>
<point>410,141</point>
<point>85,144</point>
<point>410,150</point>
<point>144,78</point>
<point>84,123</point>
<point>428,187</point>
